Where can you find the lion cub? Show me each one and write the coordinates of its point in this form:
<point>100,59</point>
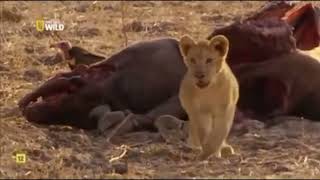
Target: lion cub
<point>208,93</point>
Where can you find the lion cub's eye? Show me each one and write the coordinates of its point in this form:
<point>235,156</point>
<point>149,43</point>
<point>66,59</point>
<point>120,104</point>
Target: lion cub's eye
<point>209,60</point>
<point>193,61</point>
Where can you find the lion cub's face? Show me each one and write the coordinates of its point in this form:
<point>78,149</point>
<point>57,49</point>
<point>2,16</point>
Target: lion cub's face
<point>204,59</point>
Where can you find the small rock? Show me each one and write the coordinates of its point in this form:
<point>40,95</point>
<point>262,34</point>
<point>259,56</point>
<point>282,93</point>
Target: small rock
<point>120,168</point>
<point>32,75</point>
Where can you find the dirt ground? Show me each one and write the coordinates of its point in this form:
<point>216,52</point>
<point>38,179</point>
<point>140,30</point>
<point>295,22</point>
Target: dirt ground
<point>287,150</point>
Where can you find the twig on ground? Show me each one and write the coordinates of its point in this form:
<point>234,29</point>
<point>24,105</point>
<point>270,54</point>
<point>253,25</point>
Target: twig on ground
<point>116,129</point>
<point>125,150</point>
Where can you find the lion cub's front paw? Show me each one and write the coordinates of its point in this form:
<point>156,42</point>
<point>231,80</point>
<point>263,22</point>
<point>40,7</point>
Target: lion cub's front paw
<point>204,155</point>
<point>226,151</point>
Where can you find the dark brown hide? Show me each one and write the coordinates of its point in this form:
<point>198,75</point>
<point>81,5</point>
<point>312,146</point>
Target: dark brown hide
<point>146,79</point>
<point>298,83</point>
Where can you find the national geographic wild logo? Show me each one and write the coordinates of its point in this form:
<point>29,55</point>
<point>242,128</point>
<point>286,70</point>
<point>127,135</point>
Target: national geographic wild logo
<point>49,25</point>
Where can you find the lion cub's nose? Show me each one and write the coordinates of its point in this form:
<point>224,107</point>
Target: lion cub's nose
<point>199,75</point>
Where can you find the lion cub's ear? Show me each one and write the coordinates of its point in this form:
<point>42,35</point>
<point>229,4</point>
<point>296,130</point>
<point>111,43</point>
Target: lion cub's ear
<point>220,43</point>
<point>186,42</point>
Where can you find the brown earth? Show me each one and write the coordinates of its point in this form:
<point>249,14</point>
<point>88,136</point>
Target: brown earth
<point>288,150</point>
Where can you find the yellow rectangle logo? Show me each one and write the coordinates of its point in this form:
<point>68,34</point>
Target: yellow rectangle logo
<point>20,158</point>
<point>40,25</point>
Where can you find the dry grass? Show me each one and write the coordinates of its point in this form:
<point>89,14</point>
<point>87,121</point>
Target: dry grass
<point>289,150</point>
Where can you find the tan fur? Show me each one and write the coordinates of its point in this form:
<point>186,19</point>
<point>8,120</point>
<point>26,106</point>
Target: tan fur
<point>315,53</point>
<point>208,93</point>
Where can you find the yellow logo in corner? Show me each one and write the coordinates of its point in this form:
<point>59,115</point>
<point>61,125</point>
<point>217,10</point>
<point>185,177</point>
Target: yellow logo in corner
<point>40,25</point>
<point>20,158</point>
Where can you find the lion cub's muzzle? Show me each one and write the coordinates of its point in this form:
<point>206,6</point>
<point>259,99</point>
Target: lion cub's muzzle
<point>201,80</point>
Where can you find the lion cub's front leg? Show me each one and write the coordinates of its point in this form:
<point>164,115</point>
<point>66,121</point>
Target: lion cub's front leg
<point>193,134</point>
<point>199,128</point>
<point>215,143</point>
